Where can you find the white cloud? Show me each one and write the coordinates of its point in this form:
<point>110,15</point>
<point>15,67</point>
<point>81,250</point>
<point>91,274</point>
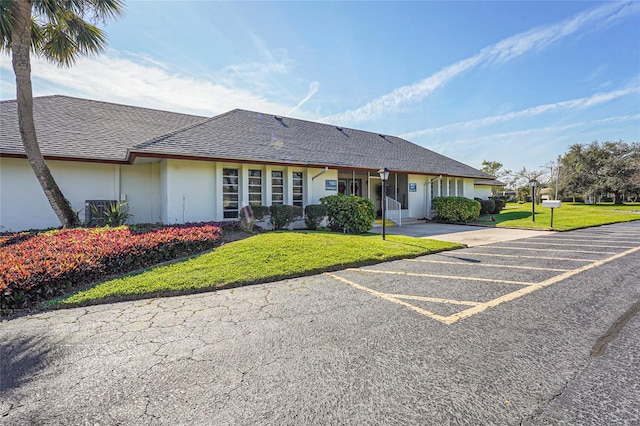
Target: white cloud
<point>579,103</point>
<point>313,89</point>
<point>505,50</point>
<point>142,81</point>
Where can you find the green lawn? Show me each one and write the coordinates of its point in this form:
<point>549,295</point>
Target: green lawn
<point>260,258</point>
<point>567,217</point>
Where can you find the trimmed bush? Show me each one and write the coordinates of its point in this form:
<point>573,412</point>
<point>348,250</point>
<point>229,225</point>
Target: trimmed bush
<point>41,266</point>
<point>348,213</point>
<point>500,203</point>
<point>282,215</point>
<point>487,206</point>
<point>456,209</point>
<point>313,215</point>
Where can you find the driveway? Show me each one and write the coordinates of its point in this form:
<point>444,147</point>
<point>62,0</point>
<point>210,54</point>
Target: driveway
<point>533,331</point>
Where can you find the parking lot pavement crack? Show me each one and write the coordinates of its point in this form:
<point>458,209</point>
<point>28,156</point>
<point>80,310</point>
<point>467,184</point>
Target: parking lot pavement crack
<point>603,341</point>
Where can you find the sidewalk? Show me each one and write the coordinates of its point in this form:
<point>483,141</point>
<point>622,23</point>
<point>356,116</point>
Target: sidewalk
<point>469,235</point>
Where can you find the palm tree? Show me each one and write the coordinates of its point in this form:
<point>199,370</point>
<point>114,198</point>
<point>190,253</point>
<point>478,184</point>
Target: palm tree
<point>57,31</point>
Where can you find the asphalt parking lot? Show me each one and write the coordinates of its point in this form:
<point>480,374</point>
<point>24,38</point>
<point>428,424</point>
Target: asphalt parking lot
<point>535,331</point>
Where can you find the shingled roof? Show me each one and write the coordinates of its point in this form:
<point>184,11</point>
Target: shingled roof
<point>84,129</point>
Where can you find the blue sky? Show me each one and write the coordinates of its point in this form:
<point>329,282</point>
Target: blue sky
<point>515,82</point>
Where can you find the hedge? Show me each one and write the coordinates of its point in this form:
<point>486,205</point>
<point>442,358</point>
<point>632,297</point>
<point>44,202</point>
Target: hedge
<point>349,213</point>
<point>313,215</point>
<point>282,215</point>
<point>456,209</point>
<point>35,267</point>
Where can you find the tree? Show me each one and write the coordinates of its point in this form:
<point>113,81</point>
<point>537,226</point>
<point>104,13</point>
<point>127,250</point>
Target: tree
<point>601,168</point>
<point>57,31</point>
<point>494,168</point>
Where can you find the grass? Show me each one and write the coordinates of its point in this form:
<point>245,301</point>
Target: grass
<point>260,258</point>
<point>565,218</point>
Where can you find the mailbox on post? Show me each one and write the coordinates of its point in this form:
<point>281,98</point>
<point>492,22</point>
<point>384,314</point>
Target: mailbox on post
<point>552,204</point>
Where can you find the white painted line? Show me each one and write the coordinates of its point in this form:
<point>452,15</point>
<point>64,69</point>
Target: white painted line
<point>492,265</point>
<point>389,298</point>
<point>450,277</point>
<point>522,256</point>
<point>587,239</point>
<point>434,299</point>
<point>563,244</point>
<point>523,291</point>
<point>542,249</point>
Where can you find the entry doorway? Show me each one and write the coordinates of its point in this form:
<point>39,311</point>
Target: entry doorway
<point>350,187</point>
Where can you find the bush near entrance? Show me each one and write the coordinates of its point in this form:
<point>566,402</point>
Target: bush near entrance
<point>456,209</point>
<point>349,213</point>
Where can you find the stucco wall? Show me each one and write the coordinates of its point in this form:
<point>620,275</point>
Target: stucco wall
<point>188,190</point>
<point>23,205</point>
<point>482,191</point>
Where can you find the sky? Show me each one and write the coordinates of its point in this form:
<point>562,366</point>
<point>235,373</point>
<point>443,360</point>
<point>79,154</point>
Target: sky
<point>515,82</point>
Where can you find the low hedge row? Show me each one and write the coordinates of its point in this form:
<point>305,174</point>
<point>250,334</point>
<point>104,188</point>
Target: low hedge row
<point>41,266</point>
<point>456,209</point>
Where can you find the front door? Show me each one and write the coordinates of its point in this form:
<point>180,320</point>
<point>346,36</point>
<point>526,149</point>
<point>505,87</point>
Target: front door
<point>350,187</point>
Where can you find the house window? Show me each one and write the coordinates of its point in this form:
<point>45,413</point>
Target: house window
<point>442,188</point>
<point>452,187</point>
<point>460,188</point>
<point>230,181</point>
<point>433,189</point>
<point>277,187</point>
<point>297,189</point>
<point>255,187</point>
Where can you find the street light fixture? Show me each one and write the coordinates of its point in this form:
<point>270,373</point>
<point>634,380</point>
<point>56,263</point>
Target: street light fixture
<point>384,175</point>
<point>533,184</point>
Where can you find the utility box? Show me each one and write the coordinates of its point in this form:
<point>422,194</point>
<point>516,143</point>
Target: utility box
<point>551,203</point>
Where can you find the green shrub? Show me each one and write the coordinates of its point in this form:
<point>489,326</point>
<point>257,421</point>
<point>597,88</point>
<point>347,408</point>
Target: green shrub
<point>487,206</point>
<point>456,209</point>
<point>259,212</point>
<point>282,215</point>
<point>349,213</point>
<point>500,203</point>
<point>314,213</point>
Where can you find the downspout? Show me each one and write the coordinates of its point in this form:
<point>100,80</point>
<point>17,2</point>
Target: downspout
<point>326,169</point>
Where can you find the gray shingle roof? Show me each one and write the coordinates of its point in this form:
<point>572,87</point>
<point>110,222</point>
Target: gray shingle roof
<point>82,128</point>
<point>253,136</point>
<point>92,130</point>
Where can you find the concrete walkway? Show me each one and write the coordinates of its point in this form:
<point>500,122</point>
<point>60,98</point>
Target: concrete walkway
<point>470,235</point>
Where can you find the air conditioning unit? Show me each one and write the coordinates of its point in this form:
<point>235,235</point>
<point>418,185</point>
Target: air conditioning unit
<point>95,211</point>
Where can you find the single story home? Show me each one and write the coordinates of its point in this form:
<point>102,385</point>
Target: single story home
<point>178,168</point>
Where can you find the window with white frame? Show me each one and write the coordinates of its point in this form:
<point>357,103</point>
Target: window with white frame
<point>230,187</point>
<point>255,187</point>
<point>298,191</point>
<point>433,189</point>
<point>277,187</point>
<point>452,187</point>
<point>442,188</point>
<point>460,188</point>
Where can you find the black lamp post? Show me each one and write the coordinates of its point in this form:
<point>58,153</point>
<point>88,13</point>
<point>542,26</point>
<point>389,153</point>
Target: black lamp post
<point>384,175</point>
<point>533,184</point>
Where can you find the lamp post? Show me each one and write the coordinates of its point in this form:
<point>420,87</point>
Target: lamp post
<point>533,184</point>
<point>384,175</point>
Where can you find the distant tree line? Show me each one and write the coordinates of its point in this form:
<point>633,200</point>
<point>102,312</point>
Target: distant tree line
<point>597,171</point>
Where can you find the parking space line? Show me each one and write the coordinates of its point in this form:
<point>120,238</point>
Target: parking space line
<point>476,307</point>
<point>546,243</point>
<point>544,249</point>
<point>523,291</point>
<point>451,277</point>
<point>633,241</point>
<point>389,298</point>
<point>525,256</point>
<point>491,265</point>
<point>434,299</point>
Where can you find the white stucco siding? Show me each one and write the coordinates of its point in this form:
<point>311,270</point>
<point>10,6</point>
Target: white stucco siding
<point>318,185</point>
<point>482,191</point>
<point>417,200</point>
<point>140,188</point>
<point>189,191</point>
<point>23,205</point>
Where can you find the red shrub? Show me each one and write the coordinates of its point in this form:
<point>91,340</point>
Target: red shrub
<point>41,266</point>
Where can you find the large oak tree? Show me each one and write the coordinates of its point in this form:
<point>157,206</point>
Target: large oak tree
<point>60,31</point>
